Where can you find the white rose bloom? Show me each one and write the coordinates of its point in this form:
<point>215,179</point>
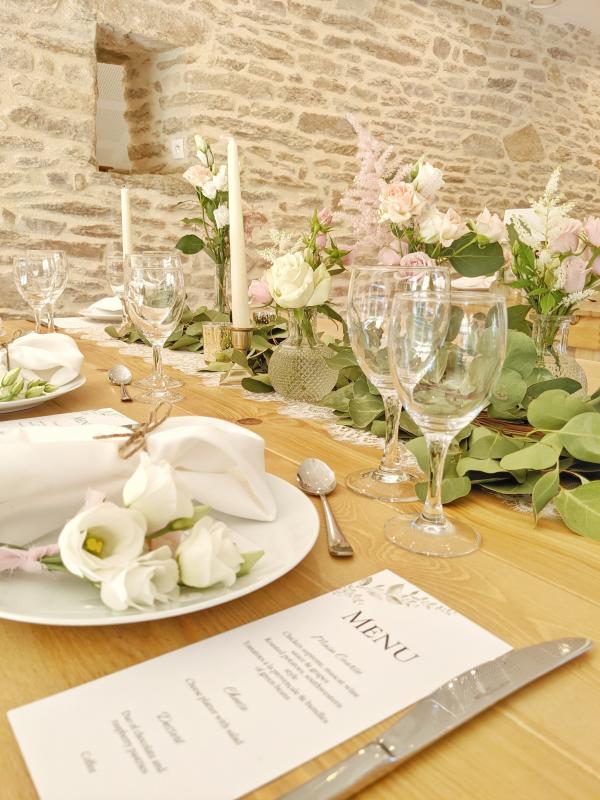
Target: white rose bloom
<point>322,281</point>
<point>222,215</point>
<point>209,189</point>
<point>101,539</point>
<point>452,228</point>
<point>429,180</point>
<point>430,225</point>
<point>220,179</point>
<point>291,281</point>
<point>208,555</point>
<point>153,491</point>
<point>490,226</point>
<point>200,142</point>
<point>150,578</point>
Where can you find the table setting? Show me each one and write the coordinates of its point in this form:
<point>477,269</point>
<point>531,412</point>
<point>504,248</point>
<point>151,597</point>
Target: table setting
<point>192,512</point>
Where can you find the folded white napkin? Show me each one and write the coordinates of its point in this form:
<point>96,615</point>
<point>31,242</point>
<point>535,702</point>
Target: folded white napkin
<point>106,305</point>
<point>52,357</point>
<point>45,472</point>
<point>473,283</point>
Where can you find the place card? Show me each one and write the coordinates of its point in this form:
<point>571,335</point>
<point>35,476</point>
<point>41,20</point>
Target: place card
<point>221,717</point>
<point>98,416</point>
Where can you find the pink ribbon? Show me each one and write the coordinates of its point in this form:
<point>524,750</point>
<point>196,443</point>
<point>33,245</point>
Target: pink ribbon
<point>25,560</point>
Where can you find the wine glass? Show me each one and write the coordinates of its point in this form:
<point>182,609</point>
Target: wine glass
<point>446,353</point>
<point>61,275</point>
<point>155,296</point>
<point>35,274</point>
<point>115,277</point>
<point>369,309</point>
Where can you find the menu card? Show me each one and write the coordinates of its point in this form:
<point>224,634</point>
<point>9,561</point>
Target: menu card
<point>98,416</point>
<point>221,717</point>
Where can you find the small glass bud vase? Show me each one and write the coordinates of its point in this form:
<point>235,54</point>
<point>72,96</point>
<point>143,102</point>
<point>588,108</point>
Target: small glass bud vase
<point>550,334</point>
<point>298,368</point>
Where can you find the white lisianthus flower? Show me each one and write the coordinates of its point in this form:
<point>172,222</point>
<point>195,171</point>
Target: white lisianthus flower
<point>209,189</point>
<point>200,142</point>
<point>208,555</point>
<point>153,491</point>
<point>197,175</point>
<point>101,539</point>
<point>322,283</point>
<point>222,215</point>
<point>428,180</point>
<point>220,179</point>
<point>443,228</point>
<point>291,281</point>
<point>490,226</point>
<point>152,577</point>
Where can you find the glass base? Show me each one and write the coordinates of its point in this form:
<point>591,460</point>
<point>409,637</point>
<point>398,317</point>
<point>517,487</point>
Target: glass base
<point>150,382</point>
<point>155,396</point>
<point>392,487</point>
<point>449,540</point>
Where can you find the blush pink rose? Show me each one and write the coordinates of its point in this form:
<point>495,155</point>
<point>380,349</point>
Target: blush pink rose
<point>568,241</point>
<point>325,216</point>
<point>400,202</point>
<point>258,293</point>
<point>592,230</point>
<point>576,272</point>
<point>416,260</point>
<point>588,255</point>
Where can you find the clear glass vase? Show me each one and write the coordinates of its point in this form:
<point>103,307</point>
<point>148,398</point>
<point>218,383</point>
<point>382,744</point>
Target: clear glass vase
<point>221,287</point>
<point>550,333</point>
<point>298,368</point>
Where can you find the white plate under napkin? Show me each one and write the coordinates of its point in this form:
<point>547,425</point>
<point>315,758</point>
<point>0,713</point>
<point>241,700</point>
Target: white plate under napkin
<point>107,309</point>
<point>30,402</point>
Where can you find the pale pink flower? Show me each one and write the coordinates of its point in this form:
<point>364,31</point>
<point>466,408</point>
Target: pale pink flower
<point>587,255</point>
<point>490,226</point>
<point>321,240</point>
<point>592,230</point>
<point>418,259</point>
<point>348,259</point>
<point>197,175</point>
<point>576,272</point>
<point>568,241</point>
<point>259,293</point>
<point>325,216</point>
<point>400,202</point>
<point>389,257</point>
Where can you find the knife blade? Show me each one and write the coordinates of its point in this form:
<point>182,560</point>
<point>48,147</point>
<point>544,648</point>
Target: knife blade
<point>448,707</point>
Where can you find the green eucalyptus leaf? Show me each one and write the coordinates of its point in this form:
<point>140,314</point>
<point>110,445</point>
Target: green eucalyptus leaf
<point>365,409</point>
<point>472,259</point>
<point>184,341</point>
<point>513,487</point>
<point>418,448</point>
<point>567,384</point>
<point>580,509</point>
<point>345,358</point>
<point>581,437</point>
<point>486,443</point>
<point>537,456</point>
<point>545,489</point>
<point>378,427</point>
<point>409,425</point>
<point>521,354</point>
<point>552,409</point>
<point>509,390</point>
<point>190,244</point>
<point>339,399</point>
<point>488,465</point>
<point>452,489</point>
<point>258,383</point>
<point>517,319</point>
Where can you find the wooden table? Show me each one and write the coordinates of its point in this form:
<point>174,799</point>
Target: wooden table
<point>525,584</point>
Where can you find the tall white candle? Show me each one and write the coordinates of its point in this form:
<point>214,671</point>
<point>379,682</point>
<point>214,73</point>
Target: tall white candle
<point>126,222</point>
<point>240,311</point>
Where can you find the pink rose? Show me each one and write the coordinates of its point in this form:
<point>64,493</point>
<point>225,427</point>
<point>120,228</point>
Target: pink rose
<point>568,241</point>
<point>588,255</point>
<point>592,230</point>
<point>399,202</point>
<point>348,259</point>
<point>197,175</point>
<point>325,216</point>
<point>418,259</point>
<point>321,240</point>
<point>259,293</point>
<point>576,272</point>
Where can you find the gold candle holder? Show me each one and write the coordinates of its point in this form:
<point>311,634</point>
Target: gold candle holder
<point>241,339</point>
<point>216,337</point>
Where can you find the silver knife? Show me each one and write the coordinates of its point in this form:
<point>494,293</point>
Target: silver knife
<point>434,716</point>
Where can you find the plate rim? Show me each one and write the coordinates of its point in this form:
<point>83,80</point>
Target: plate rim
<point>75,383</point>
<point>157,613</point>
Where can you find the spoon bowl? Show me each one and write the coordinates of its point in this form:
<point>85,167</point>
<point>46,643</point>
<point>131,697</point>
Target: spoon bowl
<point>317,478</point>
<point>121,376</point>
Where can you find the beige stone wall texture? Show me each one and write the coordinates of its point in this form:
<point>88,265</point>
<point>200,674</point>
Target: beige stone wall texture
<point>485,88</point>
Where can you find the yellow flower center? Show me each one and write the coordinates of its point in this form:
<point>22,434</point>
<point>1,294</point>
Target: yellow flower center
<point>93,543</point>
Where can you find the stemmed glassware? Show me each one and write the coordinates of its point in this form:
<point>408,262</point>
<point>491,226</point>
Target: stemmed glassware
<point>446,352</point>
<point>40,277</point>
<point>155,297</point>
<point>369,321</point>
<point>115,277</point>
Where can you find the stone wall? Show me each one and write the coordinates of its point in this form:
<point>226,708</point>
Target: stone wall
<point>483,87</point>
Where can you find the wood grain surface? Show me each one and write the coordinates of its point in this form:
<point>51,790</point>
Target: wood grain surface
<point>525,584</point>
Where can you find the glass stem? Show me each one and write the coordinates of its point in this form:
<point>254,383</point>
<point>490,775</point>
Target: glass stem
<point>51,328</point>
<point>391,404</point>
<point>37,315</point>
<point>125,321</point>
<point>437,448</point>
<point>157,360</point>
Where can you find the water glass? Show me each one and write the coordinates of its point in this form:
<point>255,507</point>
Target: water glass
<point>115,277</point>
<point>155,297</point>
<point>446,352</point>
<point>40,277</point>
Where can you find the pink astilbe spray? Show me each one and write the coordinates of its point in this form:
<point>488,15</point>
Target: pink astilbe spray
<point>359,204</point>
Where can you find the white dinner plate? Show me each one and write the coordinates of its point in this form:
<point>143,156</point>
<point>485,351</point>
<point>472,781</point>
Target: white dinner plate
<point>56,598</point>
<point>101,316</point>
<point>30,402</point>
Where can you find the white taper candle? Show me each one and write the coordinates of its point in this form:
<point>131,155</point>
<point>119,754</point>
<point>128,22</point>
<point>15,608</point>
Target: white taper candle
<point>240,311</point>
<point>126,222</point>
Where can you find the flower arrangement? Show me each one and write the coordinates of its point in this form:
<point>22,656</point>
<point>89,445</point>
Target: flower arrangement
<point>139,554</point>
<point>556,258</point>
<point>210,183</point>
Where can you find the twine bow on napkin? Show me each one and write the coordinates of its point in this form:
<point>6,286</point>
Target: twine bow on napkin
<point>136,440</point>
<point>16,334</point>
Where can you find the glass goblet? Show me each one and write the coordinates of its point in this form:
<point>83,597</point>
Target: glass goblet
<point>446,353</point>
<point>155,296</point>
<point>61,275</point>
<point>115,277</point>
<point>35,274</point>
<point>369,311</point>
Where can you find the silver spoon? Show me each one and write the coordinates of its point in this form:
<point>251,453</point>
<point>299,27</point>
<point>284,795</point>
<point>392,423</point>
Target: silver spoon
<point>315,477</point>
<point>121,376</point>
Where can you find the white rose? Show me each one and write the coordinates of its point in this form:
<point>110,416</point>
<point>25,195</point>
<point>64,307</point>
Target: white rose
<point>429,180</point>
<point>153,491</point>
<point>322,282</point>
<point>101,539</point>
<point>149,578</point>
<point>400,202</point>
<point>222,215</point>
<point>490,226</point>
<point>444,228</point>
<point>209,189</point>
<point>291,281</point>
<point>208,555</point>
<point>220,179</point>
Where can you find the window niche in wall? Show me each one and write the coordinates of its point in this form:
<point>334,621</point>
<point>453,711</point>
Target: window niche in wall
<point>133,74</point>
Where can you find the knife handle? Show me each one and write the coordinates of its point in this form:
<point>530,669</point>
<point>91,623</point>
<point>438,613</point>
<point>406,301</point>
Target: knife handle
<point>347,777</point>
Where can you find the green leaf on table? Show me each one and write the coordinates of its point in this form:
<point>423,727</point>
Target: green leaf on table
<point>218,366</point>
<point>517,319</point>
<point>408,424</point>
<point>378,427</point>
<point>545,489</point>
<point>521,354</point>
<point>581,437</point>
<point>509,389</point>
<point>364,410</point>
<point>487,443</point>
<point>184,342</point>
<point>239,358</point>
<point>452,489</point>
<point>567,384</point>
<point>345,358</point>
<point>261,384</point>
<point>472,259</point>
<point>552,409</point>
<point>190,244</point>
<point>537,456</point>
<point>195,329</point>
<point>418,448</point>
<point>339,400</point>
<point>512,487</point>
<point>488,465</point>
<point>580,509</point>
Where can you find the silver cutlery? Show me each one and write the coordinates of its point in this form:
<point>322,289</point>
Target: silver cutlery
<point>120,376</point>
<point>316,478</point>
<point>434,716</point>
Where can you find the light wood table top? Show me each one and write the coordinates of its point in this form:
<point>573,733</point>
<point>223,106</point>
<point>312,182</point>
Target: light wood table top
<point>525,584</point>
